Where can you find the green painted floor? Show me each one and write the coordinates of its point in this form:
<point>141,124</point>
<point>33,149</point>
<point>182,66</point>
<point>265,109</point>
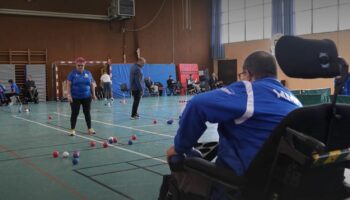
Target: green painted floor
<point>122,171</point>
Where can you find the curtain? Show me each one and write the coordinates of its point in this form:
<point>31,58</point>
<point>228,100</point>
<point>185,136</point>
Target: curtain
<point>283,17</point>
<point>217,49</point>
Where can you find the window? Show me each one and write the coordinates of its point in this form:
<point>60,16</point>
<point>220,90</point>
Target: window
<point>318,16</point>
<point>243,20</point>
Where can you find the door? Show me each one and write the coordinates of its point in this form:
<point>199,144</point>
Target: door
<point>227,71</point>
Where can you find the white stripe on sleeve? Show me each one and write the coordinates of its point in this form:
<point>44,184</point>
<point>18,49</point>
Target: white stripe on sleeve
<point>250,103</point>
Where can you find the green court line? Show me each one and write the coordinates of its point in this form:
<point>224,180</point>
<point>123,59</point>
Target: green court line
<point>91,139</point>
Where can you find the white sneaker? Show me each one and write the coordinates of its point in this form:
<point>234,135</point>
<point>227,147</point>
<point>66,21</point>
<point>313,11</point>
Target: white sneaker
<point>72,132</point>
<point>91,131</point>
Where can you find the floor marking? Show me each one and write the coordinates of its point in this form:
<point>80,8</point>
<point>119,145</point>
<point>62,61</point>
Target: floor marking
<point>44,173</point>
<point>146,125</point>
<point>91,139</point>
<point>121,126</point>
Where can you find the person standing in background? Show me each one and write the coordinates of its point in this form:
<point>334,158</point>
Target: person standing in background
<point>136,77</point>
<point>106,84</point>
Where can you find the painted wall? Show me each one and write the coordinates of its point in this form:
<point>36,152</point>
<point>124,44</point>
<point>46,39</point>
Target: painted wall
<point>241,49</point>
<point>166,40</point>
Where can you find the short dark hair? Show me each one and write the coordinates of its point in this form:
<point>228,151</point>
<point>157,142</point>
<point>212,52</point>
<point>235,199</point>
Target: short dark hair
<point>10,81</point>
<point>260,64</point>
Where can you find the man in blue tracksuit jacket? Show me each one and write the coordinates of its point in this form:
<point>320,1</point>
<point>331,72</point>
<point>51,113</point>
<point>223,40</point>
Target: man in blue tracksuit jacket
<point>246,112</point>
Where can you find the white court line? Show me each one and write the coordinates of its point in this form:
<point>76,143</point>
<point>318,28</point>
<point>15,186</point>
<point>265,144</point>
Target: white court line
<point>146,125</point>
<point>91,139</point>
<point>121,126</point>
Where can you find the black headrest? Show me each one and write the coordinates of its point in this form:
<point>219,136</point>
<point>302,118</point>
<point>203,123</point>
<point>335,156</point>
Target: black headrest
<point>305,58</point>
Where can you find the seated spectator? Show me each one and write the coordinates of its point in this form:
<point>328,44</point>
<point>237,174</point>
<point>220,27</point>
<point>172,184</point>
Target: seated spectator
<point>171,85</point>
<point>214,82</point>
<point>192,86</point>
<point>14,91</point>
<point>152,88</point>
<point>30,87</point>
<point>170,82</point>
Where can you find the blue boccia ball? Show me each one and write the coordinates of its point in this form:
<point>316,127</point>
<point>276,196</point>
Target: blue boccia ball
<point>129,142</point>
<point>75,161</point>
<point>170,121</point>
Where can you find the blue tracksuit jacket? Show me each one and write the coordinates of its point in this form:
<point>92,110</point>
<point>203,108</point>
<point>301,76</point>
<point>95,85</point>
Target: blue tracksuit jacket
<point>246,114</point>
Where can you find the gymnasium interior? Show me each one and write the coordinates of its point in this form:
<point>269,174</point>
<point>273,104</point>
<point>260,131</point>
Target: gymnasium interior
<point>127,159</point>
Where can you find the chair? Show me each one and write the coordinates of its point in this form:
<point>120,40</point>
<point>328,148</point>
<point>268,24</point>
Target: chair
<point>160,88</point>
<point>124,89</point>
<point>190,89</point>
<point>151,89</point>
<point>173,89</point>
<point>203,83</point>
<point>31,96</point>
<point>307,153</point>
<point>14,99</point>
<point>99,92</point>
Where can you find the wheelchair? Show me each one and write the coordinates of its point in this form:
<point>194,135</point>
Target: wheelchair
<point>151,91</point>
<point>31,96</point>
<point>173,89</point>
<point>306,155</point>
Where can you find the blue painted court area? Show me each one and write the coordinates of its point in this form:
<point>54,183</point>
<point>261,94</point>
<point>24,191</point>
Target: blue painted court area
<point>121,171</point>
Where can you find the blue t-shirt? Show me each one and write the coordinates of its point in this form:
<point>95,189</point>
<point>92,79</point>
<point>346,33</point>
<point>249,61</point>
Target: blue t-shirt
<point>15,88</point>
<point>81,84</point>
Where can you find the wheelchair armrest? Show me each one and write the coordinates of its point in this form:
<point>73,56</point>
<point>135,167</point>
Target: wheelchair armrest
<point>315,144</point>
<point>214,173</point>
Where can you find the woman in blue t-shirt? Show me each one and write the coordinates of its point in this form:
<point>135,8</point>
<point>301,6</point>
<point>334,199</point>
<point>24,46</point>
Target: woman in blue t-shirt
<point>80,90</point>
